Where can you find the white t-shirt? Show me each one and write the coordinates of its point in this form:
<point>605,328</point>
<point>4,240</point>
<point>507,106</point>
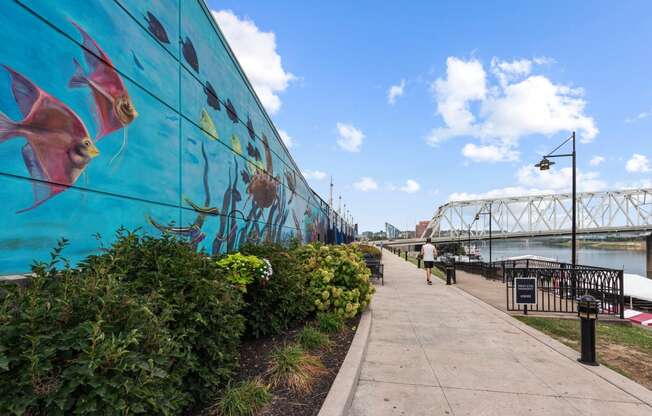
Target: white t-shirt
<point>429,252</point>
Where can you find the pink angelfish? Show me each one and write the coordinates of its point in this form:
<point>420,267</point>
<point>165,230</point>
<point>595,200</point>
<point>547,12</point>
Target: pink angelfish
<point>114,107</point>
<point>58,145</point>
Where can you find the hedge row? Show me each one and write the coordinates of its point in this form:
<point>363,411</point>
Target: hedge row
<point>150,326</point>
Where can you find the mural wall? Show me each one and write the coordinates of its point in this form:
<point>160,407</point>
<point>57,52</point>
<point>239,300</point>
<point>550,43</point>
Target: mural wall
<point>135,113</point>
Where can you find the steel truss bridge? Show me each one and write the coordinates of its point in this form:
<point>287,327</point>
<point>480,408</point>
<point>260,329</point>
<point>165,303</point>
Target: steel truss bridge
<point>540,215</point>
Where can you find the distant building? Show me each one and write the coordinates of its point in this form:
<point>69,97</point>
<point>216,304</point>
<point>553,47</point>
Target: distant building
<point>421,227</point>
<point>406,234</point>
<point>391,231</point>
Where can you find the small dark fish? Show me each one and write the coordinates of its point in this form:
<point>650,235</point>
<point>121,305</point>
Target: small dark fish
<point>230,111</point>
<point>192,140</point>
<point>245,176</point>
<point>250,129</point>
<point>253,151</point>
<point>211,96</point>
<point>156,28</point>
<point>193,158</point>
<point>189,53</point>
<point>137,62</point>
<point>236,195</point>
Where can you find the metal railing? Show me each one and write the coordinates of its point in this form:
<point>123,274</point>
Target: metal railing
<point>559,287</point>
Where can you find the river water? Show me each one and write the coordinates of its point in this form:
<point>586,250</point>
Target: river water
<point>628,260</point>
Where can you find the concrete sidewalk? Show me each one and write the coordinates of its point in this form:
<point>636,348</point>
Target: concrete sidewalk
<point>436,350</point>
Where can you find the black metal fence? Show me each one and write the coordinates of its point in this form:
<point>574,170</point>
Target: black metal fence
<point>559,287</point>
<point>490,271</point>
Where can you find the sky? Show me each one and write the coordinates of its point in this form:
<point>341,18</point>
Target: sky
<point>410,106</point>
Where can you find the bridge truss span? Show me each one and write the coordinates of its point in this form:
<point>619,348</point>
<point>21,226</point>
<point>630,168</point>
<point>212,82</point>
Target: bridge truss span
<point>540,215</point>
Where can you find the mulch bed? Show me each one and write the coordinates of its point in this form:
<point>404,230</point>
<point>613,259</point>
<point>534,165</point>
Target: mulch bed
<point>253,363</point>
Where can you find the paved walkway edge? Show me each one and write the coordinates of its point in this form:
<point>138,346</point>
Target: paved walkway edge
<point>340,395</point>
<point>623,383</point>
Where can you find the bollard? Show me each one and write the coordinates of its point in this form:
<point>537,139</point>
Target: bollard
<point>405,255</point>
<point>587,310</point>
<point>449,275</point>
<point>419,264</point>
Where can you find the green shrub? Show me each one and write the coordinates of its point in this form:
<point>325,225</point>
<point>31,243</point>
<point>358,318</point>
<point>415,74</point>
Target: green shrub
<point>244,399</point>
<point>311,338</point>
<point>243,270</point>
<point>330,322</point>
<point>293,368</point>
<point>369,251</point>
<point>271,306</point>
<point>339,278</point>
<point>148,326</point>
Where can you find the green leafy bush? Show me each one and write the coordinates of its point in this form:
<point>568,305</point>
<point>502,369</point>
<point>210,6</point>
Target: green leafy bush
<point>271,306</point>
<point>330,322</point>
<point>243,270</point>
<point>311,338</point>
<point>339,278</point>
<point>243,399</point>
<point>148,326</point>
<point>369,251</point>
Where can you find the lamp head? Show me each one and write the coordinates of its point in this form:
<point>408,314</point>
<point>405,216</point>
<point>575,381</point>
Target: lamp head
<point>544,164</point>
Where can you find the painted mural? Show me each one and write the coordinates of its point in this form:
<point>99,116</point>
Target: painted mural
<point>125,113</point>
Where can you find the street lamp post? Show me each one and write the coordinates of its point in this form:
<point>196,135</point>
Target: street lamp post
<point>468,252</point>
<point>477,217</point>
<point>545,165</point>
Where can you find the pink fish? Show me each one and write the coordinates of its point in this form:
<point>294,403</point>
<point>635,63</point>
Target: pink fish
<point>114,107</point>
<point>58,145</point>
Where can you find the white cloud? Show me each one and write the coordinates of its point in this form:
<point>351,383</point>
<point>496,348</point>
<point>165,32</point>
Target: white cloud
<point>365,184</point>
<point>638,164</point>
<point>256,52</point>
<point>506,71</point>
<point>559,180</point>
<point>596,160</point>
<point>395,91</point>
<point>498,193</point>
<point>465,82</point>
<point>499,115</point>
<point>639,116</point>
<point>314,174</point>
<point>411,186</point>
<point>489,153</point>
<point>287,139</point>
<point>532,181</point>
<point>642,183</point>
<point>350,138</point>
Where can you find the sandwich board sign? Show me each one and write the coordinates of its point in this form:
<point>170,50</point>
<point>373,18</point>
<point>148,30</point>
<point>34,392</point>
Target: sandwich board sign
<point>525,291</point>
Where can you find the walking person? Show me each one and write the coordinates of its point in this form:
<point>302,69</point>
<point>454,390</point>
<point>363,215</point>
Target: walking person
<point>428,253</point>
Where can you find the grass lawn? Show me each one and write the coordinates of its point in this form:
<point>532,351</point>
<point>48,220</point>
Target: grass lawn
<point>435,271</point>
<point>623,348</point>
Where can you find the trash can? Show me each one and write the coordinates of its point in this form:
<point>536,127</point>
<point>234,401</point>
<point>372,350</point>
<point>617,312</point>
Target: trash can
<point>587,310</point>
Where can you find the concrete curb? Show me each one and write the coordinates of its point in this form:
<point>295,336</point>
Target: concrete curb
<point>339,398</point>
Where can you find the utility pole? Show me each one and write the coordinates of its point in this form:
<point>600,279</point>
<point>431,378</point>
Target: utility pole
<point>330,198</point>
